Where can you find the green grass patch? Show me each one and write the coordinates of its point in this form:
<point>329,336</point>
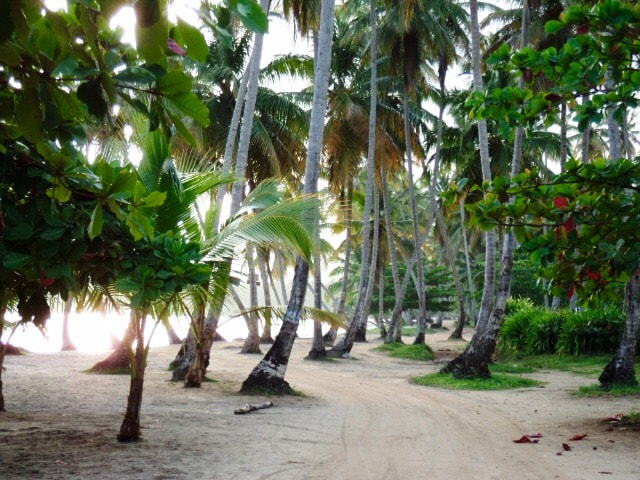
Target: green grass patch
<point>407,331</point>
<point>511,367</point>
<point>587,365</point>
<point>495,382</point>
<point>420,352</point>
<point>615,391</point>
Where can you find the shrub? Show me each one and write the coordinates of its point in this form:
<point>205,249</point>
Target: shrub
<point>515,304</point>
<point>591,331</point>
<point>513,333</point>
<point>544,330</point>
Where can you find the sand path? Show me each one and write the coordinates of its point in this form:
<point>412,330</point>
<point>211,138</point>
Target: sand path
<point>359,419</point>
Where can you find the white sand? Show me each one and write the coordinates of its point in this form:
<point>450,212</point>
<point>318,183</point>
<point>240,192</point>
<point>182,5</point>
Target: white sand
<point>359,419</point>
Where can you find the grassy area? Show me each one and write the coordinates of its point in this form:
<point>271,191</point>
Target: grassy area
<point>495,382</point>
<point>580,365</point>
<point>406,331</point>
<point>617,391</point>
<point>409,352</point>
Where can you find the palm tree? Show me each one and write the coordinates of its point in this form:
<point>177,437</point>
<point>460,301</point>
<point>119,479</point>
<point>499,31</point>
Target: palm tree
<point>269,373</point>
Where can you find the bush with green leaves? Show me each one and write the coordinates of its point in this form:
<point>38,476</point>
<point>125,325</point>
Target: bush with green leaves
<point>532,330</point>
<point>591,331</point>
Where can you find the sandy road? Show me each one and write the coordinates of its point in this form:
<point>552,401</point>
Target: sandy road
<point>358,419</point>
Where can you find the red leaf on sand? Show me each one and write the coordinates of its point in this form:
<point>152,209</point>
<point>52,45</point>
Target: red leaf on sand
<point>535,435</point>
<point>577,437</point>
<point>615,418</point>
<point>559,453</point>
<point>560,202</point>
<point>525,439</point>
<point>566,447</point>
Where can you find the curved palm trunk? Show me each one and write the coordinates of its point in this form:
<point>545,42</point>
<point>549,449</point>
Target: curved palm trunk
<point>67,344</point>
<point>119,359</point>
<point>346,342</point>
<point>330,336</point>
<point>361,332</point>
<point>269,373</point>
<point>264,277</point>
<point>252,342</point>
<point>381,326</point>
<point>285,297</point>
<point>621,368</point>
<point>474,361</point>
<point>612,126</point>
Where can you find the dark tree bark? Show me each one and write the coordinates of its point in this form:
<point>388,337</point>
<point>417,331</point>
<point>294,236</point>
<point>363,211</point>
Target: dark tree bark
<point>621,368</point>
<point>130,428</point>
<point>317,351</point>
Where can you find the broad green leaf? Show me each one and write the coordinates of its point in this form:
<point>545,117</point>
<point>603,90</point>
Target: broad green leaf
<point>95,225</point>
<point>60,193</point>
<point>15,261</point>
<point>59,270</point>
<point>154,199</point>
<point>21,231</point>
<point>90,92</point>
<point>136,74</point>
<point>69,107</point>
<point>6,23</point>
<point>51,234</point>
<point>553,26</point>
<point>152,40</point>
<point>9,55</point>
<point>190,104</point>
<point>182,130</point>
<point>194,41</point>
<point>175,82</point>
<point>250,14</point>
<point>29,115</point>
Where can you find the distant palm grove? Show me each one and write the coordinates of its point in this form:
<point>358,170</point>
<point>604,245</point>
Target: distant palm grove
<point>442,161</point>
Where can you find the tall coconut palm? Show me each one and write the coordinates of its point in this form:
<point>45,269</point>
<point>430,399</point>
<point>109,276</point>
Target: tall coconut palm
<point>269,373</point>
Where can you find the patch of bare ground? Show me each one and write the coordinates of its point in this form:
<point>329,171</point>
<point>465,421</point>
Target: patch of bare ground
<point>358,419</point>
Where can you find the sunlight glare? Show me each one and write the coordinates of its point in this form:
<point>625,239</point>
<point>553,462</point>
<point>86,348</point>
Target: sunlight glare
<point>125,18</point>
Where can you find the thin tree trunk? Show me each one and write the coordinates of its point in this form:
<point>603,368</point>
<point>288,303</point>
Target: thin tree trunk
<point>628,147</point>
<point>361,332</point>
<point>272,282</point>
<point>269,374</point>
<point>195,373</point>
<point>330,336</point>
<point>485,161</point>
<point>414,220</point>
<point>285,298</point>
<point>317,347</point>
<point>564,142</point>
<point>387,223</point>
<point>130,428</point>
<point>346,342</point>
<point>173,337</point>
<point>621,368</point>
<point>381,326</point>
<point>612,125</point>
<point>252,342</point>
<point>264,276</point>
<point>467,259</point>
<point>474,361</point>
<point>237,192</point>
<point>67,344</point>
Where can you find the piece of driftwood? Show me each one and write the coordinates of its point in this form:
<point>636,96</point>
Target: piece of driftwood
<point>250,408</point>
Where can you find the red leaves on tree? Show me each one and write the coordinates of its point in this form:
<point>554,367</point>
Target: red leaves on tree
<point>595,276</point>
<point>569,224</point>
<point>560,202</point>
<point>571,291</point>
<point>45,281</point>
<point>174,47</point>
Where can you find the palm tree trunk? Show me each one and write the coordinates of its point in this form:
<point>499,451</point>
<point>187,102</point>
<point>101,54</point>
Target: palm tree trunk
<point>387,223</point>
<point>612,125</point>
<point>564,142</point>
<point>252,342</point>
<point>283,287</point>
<point>317,347</point>
<point>130,428</point>
<point>237,192</point>
<point>330,336</point>
<point>414,219</point>
<point>483,143</point>
<point>474,361</point>
<point>264,276</point>
<point>346,342</point>
<point>381,326</point>
<point>628,148</point>
<point>269,374</point>
<point>67,344</point>
<point>196,371</point>
<point>119,359</point>
<point>621,368</point>
<point>273,284</point>
<point>467,260</point>
<point>361,332</point>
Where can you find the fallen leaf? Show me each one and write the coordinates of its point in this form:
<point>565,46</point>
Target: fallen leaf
<point>577,437</point>
<point>615,418</point>
<point>612,441</point>
<point>535,435</point>
<point>525,439</point>
<point>606,473</point>
<point>566,447</point>
<point>559,453</point>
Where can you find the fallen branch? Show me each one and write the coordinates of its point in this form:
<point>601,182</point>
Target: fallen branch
<point>250,408</point>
